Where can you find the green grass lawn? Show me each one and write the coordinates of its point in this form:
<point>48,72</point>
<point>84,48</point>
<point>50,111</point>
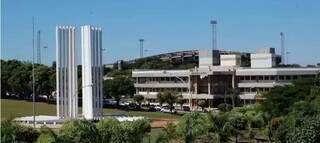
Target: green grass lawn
<point>17,108</point>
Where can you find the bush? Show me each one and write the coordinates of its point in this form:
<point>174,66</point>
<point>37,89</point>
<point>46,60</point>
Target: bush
<point>238,121</point>
<point>224,107</point>
<point>13,132</point>
<point>111,130</point>
<point>79,130</point>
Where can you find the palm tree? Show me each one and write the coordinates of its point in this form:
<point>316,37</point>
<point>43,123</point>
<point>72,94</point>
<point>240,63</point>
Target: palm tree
<point>168,97</point>
<point>138,99</point>
<point>234,93</point>
<point>191,127</point>
<point>219,127</point>
<point>169,133</point>
<point>181,101</point>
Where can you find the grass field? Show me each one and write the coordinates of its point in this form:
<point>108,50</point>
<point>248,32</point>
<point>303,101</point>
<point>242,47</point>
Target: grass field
<point>17,108</point>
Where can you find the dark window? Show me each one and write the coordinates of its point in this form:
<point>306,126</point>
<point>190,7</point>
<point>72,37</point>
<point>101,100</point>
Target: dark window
<point>295,77</point>
<point>253,78</point>
<point>281,77</point>
<point>241,77</point>
<point>272,77</point>
<point>260,77</point>
<point>247,77</point>
<point>266,78</point>
<point>288,77</point>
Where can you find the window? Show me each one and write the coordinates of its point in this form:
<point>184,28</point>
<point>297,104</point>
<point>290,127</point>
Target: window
<point>266,78</point>
<point>247,77</point>
<point>295,77</point>
<point>241,77</point>
<point>253,78</point>
<point>253,90</point>
<point>288,77</point>
<point>260,77</point>
<point>281,77</point>
<point>272,77</point>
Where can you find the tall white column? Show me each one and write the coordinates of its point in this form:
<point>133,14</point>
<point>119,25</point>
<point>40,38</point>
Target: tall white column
<point>66,72</point>
<point>92,72</point>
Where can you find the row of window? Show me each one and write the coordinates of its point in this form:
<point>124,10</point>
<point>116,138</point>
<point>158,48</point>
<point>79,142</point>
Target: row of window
<point>254,89</point>
<point>274,77</point>
<point>162,89</point>
<point>160,79</point>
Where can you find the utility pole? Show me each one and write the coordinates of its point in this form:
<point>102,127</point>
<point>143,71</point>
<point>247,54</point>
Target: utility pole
<point>283,51</point>
<point>33,79</point>
<point>141,47</point>
<point>214,34</point>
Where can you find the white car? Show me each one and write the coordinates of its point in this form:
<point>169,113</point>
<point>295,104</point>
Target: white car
<point>167,110</point>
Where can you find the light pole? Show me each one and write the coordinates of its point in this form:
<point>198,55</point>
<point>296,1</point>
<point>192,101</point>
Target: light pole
<point>33,78</point>
<point>214,34</point>
<point>141,47</point>
<point>45,54</point>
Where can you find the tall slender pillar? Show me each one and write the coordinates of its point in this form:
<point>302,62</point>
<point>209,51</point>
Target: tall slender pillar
<point>92,72</point>
<point>66,72</point>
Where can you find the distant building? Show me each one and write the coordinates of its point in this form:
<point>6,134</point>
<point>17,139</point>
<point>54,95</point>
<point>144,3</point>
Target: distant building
<point>212,79</point>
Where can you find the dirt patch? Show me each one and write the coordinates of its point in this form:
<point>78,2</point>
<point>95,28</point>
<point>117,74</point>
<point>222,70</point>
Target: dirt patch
<point>160,123</point>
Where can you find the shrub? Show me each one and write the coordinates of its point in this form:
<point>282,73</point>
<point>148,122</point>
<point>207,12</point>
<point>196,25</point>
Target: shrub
<point>79,130</point>
<point>224,107</point>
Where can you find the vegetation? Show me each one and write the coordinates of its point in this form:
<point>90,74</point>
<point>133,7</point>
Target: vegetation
<point>168,97</point>
<point>16,79</point>
<point>18,108</point>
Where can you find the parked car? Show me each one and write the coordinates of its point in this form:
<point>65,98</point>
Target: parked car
<point>186,108</point>
<point>158,108</point>
<point>166,109</point>
<point>152,108</point>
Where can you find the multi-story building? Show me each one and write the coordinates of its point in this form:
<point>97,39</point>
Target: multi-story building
<point>214,77</point>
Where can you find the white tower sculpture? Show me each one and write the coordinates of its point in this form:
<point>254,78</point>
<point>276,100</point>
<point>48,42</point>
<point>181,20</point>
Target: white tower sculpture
<point>66,72</point>
<point>92,72</point>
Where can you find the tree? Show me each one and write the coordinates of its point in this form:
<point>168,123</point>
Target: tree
<point>191,127</point>
<point>138,99</point>
<point>280,100</point>
<point>234,93</point>
<point>168,97</point>
<point>120,85</point>
<point>202,104</point>
<point>181,101</point>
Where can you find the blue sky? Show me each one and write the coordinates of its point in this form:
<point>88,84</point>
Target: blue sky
<point>167,25</point>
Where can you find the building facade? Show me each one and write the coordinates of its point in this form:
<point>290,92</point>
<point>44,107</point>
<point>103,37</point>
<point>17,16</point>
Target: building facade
<point>92,72</point>
<point>212,82</point>
<point>66,72</point>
